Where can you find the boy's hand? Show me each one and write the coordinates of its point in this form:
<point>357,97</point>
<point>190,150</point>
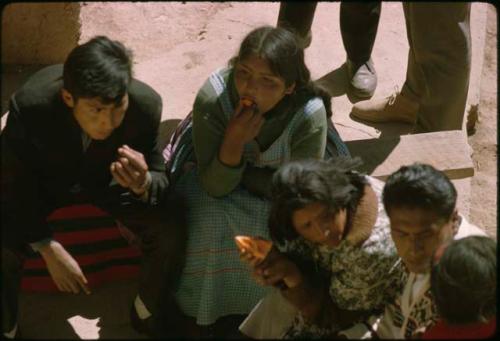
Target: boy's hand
<point>275,268</point>
<point>130,170</point>
<point>64,269</point>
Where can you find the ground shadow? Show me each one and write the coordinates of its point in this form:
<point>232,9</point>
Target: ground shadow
<point>373,152</point>
<point>387,130</point>
<point>105,312</point>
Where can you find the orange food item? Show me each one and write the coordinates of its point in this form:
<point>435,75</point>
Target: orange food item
<point>258,247</point>
<point>246,102</point>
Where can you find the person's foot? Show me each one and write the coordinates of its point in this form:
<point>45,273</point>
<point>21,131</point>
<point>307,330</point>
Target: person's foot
<point>362,80</point>
<point>169,322</point>
<point>394,108</point>
<point>141,326</point>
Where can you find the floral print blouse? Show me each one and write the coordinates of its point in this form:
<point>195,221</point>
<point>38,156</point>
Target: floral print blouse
<point>362,277</point>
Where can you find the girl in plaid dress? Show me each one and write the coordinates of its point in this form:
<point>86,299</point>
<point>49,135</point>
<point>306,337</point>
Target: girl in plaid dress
<point>222,157</point>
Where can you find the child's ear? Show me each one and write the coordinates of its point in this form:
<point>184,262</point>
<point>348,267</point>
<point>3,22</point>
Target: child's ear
<point>67,98</point>
<point>290,89</point>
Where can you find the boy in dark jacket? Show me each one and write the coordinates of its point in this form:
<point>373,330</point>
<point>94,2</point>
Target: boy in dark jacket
<point>84,132</point>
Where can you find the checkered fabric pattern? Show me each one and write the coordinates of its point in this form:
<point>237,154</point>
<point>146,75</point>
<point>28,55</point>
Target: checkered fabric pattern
<point>215,282</point>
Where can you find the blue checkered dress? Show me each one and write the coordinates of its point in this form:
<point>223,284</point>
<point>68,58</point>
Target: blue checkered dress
<point>215,282</point>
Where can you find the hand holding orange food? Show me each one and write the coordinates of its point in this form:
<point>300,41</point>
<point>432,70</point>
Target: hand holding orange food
<point>270,267</point>
<point>247,102</point>
<point>254,247</point>
<point>246,122</point>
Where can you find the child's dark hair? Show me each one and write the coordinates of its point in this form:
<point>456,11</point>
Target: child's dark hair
<point>464,281</point>
<point>279,47</point>
<point>420,186</point>
<point>299,183</point>
<point>99,68</point>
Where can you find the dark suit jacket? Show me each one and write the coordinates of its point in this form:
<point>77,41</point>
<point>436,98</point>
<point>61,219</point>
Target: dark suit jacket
<point>43,161</point>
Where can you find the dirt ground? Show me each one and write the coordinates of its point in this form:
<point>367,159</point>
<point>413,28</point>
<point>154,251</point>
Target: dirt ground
<point>484,141</point>
<point>175,52</point>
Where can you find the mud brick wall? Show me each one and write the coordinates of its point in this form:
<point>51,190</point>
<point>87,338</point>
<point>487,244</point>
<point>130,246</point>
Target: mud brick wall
<point>39,33</point>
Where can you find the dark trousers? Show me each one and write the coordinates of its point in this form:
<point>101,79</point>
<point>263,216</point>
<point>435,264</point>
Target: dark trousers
<point>358,24</point>
<point>162,234</point>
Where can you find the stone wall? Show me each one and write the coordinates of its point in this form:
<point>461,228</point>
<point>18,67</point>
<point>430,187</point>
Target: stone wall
<point>39,33</point>
<point>44,33</point>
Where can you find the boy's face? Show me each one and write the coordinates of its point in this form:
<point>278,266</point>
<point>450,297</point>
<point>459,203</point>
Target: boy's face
<point>417,233</point>
<point>96,118</point>
<point>254,80</point>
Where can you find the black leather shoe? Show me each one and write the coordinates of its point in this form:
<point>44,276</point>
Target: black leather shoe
<point>142,326</point>
<point>362,80</point>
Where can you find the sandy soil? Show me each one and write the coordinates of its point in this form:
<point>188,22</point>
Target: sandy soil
<point>484,141</point>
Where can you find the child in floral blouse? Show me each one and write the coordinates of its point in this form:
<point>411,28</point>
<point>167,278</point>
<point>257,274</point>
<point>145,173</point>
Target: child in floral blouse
<point>334,260</point>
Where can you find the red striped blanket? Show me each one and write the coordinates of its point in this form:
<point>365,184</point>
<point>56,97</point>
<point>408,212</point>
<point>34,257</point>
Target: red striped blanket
<point>96,242</point>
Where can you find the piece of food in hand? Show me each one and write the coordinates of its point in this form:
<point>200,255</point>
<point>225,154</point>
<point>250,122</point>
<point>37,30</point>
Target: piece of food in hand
<point>257,247</point>
<point>247,102</point>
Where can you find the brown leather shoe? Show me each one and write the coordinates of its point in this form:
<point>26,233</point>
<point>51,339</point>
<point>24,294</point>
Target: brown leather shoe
<point>394,108</point>
<point>362,80</point>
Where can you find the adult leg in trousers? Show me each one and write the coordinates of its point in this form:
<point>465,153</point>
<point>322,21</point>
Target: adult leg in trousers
<point>358,26</point>
<point>162,233</point>
<point>298,18</point>
<point>439,63</point>
<point>12,266</point>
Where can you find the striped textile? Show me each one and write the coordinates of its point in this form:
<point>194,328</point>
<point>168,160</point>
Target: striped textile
<point>215,282</point>
<point>96,242</point>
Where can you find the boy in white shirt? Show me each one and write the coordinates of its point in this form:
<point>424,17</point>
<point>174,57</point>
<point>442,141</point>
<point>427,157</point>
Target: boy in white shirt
<point>421,204</point>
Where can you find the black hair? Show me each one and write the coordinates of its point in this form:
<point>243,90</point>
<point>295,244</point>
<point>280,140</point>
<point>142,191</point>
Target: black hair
<point>464,281</point>
<point>300,183</point>
<point>99,68</point>
<point>420,186</point>
<point>280,48</point>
